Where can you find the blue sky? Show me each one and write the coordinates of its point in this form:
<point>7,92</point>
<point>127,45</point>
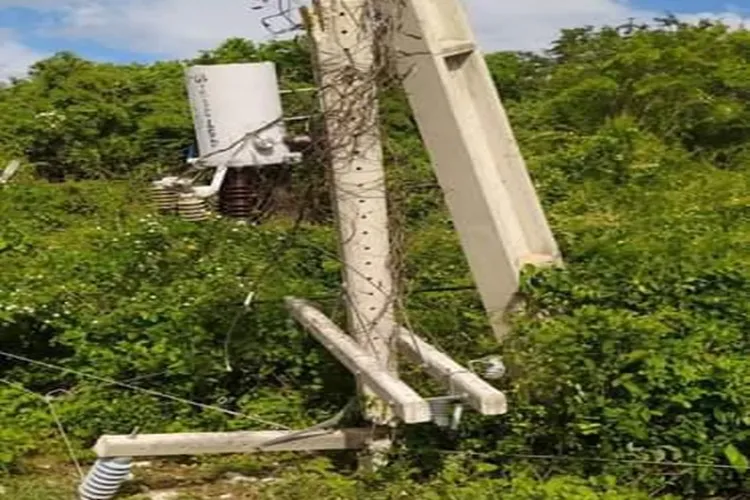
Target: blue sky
<point>145,30</point>
<point>687,5</point>
<point>30,24</point>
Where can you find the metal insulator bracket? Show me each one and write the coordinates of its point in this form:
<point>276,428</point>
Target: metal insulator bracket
<point>446,411</point>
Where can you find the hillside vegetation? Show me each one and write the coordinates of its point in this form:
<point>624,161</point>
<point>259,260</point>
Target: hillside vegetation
<point>628,367</point>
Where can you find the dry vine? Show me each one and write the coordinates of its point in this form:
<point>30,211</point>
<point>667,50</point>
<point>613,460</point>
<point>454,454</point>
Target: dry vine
<point>352,77</point>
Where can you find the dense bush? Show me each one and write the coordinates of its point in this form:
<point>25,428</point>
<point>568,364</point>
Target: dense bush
<point>462,478</point>
<point>626,362</point>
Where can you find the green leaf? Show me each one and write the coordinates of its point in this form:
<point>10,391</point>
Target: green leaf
<point>736,458</point>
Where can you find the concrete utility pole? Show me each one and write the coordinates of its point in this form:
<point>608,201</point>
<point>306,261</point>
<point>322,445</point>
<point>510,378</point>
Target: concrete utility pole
<point>343,34</point>
<point>463,123</point>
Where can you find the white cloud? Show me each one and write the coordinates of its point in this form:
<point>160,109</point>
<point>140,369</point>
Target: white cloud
<point>733,19</point>
<point>170,27</point>
<point>180,28</point>
<point>533,24</point>
<point>15,58</point>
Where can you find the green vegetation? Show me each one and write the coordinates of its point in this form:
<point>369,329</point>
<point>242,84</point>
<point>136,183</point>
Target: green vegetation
<point>629,363</point>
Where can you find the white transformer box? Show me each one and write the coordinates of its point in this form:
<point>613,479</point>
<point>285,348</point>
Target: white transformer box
<point>237,114</point>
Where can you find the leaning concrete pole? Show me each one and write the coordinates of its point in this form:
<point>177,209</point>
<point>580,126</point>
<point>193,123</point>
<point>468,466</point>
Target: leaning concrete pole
<point>474,152</point>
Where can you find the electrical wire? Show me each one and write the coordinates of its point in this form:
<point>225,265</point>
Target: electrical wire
<point>235,322</point>
<point>61,429</point>
<point>135,388</point>
<point>241,140</point>
<point>282,10</point>
<point>337,296</point>
<point>278,253</point>
<point>328,424</point>
<point>58,423</point>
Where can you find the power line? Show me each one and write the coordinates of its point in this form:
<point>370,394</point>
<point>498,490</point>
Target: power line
<point>279,252</point>
<point>58,423</point>
<point>131,387</point>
